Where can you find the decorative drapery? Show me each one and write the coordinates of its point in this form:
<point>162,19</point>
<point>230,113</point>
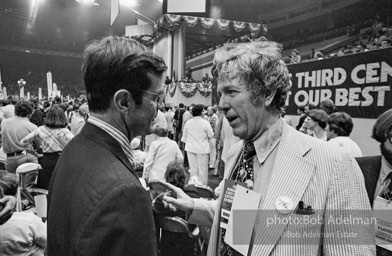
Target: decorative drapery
<point>207,23</point>
<point>172,89</point>
<point>189,89</point>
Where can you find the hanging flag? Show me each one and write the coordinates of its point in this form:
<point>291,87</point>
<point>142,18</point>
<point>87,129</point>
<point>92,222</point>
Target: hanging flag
<point>114,10</point>
<point>49,81</point>
<point>54,94</point>
<point>39,94</point>
<point>1,87</point>
<point>21,92</point>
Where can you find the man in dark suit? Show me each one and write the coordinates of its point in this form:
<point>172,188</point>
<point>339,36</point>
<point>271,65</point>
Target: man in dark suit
<point>96,205</point>
<point>178,120</point>
<point>377,170</point>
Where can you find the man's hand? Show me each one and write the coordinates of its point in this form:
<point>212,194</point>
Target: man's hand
<point>8,203</point>
<point>182,200</point>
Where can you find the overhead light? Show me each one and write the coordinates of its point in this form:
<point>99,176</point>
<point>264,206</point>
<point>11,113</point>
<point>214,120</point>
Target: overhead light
<point>129,3</point>
<point>161,1</point>
<point>87,2</point>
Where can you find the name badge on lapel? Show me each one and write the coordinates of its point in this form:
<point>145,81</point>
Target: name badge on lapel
<point>246,203</point>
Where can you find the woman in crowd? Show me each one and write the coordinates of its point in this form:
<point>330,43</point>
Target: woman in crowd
<point>197,134</point>
<point>52,138</point>
<point>316,121</point>
<point>175,175</point>
<point>161,152</point>
<point>172,243</point>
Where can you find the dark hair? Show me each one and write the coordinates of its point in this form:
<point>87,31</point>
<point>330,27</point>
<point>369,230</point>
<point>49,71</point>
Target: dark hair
<point>57,100</point>
<point>310,105</point>
<point>197,109</point>
<point>319,116</point>
<point>340,123</point>
<point>327,106</point>
<point>9,183</point>
<point>301,108</point>
<point>55,118</point>
<point>23,108</point>
<point>181,105</point>
<point>115,63</point>
<point>175,174</point>
<point>46,104</point>
<point>64,106</point>
<point>383,126</point>
<point>76,106</point>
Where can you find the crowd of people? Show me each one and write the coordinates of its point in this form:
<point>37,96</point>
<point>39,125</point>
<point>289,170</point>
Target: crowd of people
<point>98,159</point>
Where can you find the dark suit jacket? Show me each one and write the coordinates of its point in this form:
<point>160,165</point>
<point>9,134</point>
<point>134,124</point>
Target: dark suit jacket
<point>370,166</point>
<point>97,205</point>
<point>178,116</point>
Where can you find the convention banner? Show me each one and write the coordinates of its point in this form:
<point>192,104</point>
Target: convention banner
<point>359,84</point>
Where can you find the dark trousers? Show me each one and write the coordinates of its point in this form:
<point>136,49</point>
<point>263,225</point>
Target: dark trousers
<point>48,163</point>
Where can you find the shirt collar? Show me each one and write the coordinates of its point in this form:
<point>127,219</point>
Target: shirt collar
<point>386,168</point>
<point>116,134</point>
<point>266,143</point>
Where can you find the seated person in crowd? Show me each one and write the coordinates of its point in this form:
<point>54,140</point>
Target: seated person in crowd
<point>339,128</point>
<point>175,175</point>
<point>24,233</point>
<point>162,151</point>
<point>138,155</point>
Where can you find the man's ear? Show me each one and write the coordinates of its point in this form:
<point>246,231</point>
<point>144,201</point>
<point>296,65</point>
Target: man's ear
<point>268,100</point>
<point>123,101</point>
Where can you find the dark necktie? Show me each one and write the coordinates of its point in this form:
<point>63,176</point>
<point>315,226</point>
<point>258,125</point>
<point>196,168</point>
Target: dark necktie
<point>243,172</point>
<point>387,190</point>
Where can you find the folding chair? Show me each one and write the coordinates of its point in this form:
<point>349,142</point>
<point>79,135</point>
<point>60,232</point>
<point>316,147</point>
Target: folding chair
<point>28,174</point>
<point>156,186</point>
<point>205,191</point>
<point>177,238</point>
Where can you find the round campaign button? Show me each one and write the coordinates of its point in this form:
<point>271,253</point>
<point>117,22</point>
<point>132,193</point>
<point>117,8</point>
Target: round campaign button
<point>284,205</point>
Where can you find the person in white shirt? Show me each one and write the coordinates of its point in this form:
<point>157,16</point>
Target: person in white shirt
<point>169,120</point>
<point>196,136</point>
<point>79,120</point>
<point>339,128</point>
<point>24,233</point>
<point>138,156</point>
<point>162,151</point>
<point>159,119</point>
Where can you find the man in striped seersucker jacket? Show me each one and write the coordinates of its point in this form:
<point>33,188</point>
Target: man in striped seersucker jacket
<point>298,177</point>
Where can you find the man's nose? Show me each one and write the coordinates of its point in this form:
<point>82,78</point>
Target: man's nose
<point>223,104</point>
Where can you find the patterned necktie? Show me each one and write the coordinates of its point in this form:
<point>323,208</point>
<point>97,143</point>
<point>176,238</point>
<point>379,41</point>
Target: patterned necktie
<point>244,173</point>
<point>244,170</point>
<point>387,190</point>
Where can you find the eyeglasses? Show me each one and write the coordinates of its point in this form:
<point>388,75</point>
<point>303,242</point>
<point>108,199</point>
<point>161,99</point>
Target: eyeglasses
<point>389,137</point>
<point>158,97</point>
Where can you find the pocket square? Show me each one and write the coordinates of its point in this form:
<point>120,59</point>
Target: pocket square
<point>303,209</point>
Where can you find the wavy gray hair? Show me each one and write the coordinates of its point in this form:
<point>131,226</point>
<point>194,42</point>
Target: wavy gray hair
<point>260,64</point>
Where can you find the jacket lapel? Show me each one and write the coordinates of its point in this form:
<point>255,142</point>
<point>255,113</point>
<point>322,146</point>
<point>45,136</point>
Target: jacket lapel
<point>290,158</point>
<point>101,137</point>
